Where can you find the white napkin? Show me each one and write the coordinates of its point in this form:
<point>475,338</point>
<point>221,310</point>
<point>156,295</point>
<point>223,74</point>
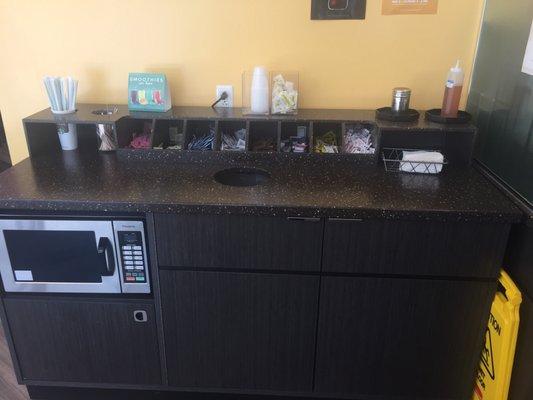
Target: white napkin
<point>419,160</point>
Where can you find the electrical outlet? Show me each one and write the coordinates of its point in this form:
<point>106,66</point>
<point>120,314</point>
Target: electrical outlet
<point>229,90</point>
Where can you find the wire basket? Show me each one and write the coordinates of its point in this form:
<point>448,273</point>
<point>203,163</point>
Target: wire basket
<point>392,159</point>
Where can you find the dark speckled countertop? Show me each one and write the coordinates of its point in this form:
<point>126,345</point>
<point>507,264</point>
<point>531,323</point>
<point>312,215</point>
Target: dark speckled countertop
<point>104,183</point>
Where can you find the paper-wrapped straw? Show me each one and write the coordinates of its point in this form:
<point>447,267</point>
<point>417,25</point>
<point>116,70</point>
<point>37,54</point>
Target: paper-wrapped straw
<point>74,94</point>
<point>57,94</point>
<point>50,93</point>
<point>61,93</point>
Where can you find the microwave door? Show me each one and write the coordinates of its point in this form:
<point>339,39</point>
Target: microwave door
<point>58,256</point>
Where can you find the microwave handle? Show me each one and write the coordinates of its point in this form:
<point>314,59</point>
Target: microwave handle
<point>105,247</point>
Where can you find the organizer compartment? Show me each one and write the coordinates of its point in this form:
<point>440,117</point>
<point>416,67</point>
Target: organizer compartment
<point>327,136</point>
<point>360,139</point>
<point>169,134</point>
<point>230,132</point>
<point>264,136</point>
<point>295,137</point>
<point>200,135</point>
<point>129,129</point>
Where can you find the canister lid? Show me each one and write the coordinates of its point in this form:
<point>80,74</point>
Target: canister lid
<point>401,92</point>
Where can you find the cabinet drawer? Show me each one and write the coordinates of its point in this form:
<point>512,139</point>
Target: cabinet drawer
<point>239,242</point>
<point>425,248</point>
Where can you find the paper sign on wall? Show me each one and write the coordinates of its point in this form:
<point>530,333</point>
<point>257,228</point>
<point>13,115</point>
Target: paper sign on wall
<point>395,7</point>
<point>527,67</point>
<point>148,92</point>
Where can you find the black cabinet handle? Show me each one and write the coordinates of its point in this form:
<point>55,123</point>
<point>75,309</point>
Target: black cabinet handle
<point>105,247</point>
<point>303,219</point>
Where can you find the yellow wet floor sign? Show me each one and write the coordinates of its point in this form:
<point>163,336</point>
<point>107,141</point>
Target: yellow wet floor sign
<point>494,373</point>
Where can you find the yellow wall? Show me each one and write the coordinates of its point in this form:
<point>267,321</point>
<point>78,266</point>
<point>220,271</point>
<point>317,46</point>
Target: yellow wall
<point>342,64</point>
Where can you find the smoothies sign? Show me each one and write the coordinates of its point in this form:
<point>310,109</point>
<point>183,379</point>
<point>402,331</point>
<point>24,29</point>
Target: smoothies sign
<point>394,7</point>
<point>148,92</point>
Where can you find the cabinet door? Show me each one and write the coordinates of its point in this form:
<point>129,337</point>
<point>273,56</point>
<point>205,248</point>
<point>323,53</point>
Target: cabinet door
<point>424,248</point>
<point>84,341</point>
<point>240,242</point>
<point>239,331</point>
<point>400,338</point>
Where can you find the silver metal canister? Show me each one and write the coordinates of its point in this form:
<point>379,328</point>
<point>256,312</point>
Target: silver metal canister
<point>401,97</point>
<point>106,133</point>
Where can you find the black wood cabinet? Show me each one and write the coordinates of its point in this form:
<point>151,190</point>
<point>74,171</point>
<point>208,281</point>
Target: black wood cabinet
<point>375,309</point>
<point>400,338</point>
<point>240,330</point>
<point>239,242</point>
<point>423,248</point>
<point>84,341</point>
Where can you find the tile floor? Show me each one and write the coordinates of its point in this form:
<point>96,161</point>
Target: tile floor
<point>9,389</point>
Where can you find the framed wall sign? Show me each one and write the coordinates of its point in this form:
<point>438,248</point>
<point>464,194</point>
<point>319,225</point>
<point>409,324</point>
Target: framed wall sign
<point>148,92</point>
<point>338,9</point>
<point>396,7</point>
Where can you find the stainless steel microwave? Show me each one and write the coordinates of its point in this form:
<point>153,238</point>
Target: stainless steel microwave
<point>73,256</point>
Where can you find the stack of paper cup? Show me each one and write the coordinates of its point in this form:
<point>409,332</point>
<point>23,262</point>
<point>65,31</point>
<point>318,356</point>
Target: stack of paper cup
<point>260,93</point>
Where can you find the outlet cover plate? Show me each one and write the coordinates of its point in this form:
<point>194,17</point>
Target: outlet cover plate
<point>228,103</point>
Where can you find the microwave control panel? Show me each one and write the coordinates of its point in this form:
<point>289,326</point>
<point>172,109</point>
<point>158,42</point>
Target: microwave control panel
<point>129,236</point>
<point>133,257</point>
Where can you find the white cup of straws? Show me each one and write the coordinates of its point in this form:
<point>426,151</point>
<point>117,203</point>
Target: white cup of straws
<point>62,94</point>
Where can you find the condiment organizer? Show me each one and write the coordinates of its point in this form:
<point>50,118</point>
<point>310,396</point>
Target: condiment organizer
<point>354,139</point>
<point>169,134</point>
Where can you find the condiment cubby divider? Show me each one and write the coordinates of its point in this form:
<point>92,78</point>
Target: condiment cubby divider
<point>185,126</point>
<point>247,135</point>
<point>217,139</point>
<point>311,136</point>
<point>278,139</point>
<point>343,137</point>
